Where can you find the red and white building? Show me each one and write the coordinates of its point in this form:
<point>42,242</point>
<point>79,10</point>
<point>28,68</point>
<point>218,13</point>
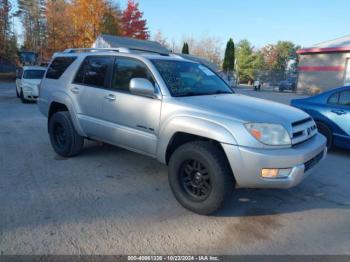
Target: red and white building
<point>325,65</point>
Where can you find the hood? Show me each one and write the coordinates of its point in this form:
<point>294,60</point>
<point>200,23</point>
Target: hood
<point>244,108</point>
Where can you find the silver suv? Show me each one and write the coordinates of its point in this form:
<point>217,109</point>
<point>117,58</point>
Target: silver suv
<point>180,112</point>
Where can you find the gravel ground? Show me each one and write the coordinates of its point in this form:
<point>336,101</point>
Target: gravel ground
<point>111,201</point>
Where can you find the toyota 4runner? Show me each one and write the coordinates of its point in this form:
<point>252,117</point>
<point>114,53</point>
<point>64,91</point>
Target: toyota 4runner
<point>181,113</point>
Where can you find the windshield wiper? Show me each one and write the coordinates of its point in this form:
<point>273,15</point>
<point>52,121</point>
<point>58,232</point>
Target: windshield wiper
<point>204,94</point>
<point>186,94</point>
<point>222,92</point>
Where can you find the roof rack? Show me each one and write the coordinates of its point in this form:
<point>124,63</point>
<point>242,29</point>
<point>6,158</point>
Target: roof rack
<point>78,50</point>
<point>117,49</point>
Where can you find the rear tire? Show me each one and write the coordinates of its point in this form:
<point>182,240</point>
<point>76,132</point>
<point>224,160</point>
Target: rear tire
<point>200,177</point>
<point>64,139</point>
<point>325,130</point>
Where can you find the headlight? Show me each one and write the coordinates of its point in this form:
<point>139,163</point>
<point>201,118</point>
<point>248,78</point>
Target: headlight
<point>269,134</point>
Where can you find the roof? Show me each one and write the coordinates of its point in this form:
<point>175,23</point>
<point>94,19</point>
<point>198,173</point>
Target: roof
<point>110,41</point>
<point>341,44</point>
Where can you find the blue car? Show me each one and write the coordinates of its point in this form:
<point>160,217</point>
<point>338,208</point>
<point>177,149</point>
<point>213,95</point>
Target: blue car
<point>331,112</point>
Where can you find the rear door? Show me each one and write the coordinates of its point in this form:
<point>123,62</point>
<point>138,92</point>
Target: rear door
<point>132,121</point>
<point>88,89</point>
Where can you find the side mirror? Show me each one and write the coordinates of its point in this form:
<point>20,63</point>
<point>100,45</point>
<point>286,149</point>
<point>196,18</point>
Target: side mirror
<point>142,87</point>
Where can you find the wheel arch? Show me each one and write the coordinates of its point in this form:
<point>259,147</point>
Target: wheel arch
<point>58,105</point>
<point>181,130</point>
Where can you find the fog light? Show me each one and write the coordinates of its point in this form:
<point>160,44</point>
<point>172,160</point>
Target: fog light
<point>275,172</point>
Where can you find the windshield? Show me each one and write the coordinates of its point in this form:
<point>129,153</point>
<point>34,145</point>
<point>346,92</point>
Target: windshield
<point>33,74</point>
<point>190,79</point>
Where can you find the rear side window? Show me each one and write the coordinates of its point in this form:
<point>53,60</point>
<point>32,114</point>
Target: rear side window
<point>344,98</point>
<point>94,71</point>
<point>58,66</point>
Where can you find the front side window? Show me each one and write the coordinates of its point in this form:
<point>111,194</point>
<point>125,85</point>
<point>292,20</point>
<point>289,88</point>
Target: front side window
<point>33,74</point>
<point>94,71</point>
<point>59,66</point>
<point>126,69</point>
<point>190,79</point>
<point>344,98</point>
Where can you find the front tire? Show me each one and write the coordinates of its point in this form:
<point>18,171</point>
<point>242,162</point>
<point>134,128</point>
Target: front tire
<point>64,139</point>
<point>200,177</point>
<point>17,94</point>
<point>21,96</point>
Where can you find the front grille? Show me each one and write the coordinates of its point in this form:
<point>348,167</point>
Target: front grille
<point>313,161</point>
<point>303,130</point>
<point>301,121</point>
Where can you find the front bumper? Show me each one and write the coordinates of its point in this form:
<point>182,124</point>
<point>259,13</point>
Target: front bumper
<point>31,93</point>
<point>246,163</point>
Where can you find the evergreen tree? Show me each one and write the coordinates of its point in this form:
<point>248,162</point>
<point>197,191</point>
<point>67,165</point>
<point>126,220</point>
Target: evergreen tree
<point>185,49</point>
<point>229,59</point>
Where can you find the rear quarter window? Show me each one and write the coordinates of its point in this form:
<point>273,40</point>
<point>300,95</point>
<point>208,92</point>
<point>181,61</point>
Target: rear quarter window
<point>59,66</point>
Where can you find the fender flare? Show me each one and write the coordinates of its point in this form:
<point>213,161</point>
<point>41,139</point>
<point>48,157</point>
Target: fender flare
<point>63,98</point>
<point>194,126</point>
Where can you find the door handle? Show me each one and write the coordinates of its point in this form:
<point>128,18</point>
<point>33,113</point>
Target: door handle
<point>339,112</point>
<point>110,97</point>
<point>75,90</point>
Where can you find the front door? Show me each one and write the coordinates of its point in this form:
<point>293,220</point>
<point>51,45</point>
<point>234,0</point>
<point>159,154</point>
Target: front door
<point>133,120</point>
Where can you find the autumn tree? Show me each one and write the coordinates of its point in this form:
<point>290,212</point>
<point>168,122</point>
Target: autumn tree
<point>229,58</point>
<point>111,20</point>
<point>32,15</point>
<point>206,47</point>
<point>8,47</point>
<point>133,23</point>
<point>185,48</point>
<point>86,21</point>
<point>161,39</point>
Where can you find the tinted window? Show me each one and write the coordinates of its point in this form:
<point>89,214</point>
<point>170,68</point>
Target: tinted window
<point>94,71</point>
<point>333,99</point>
<point>189,79</point>
<point>126,69</point>
<point>33,74</point>
<point>344,98</point>
<point>58,66</point>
